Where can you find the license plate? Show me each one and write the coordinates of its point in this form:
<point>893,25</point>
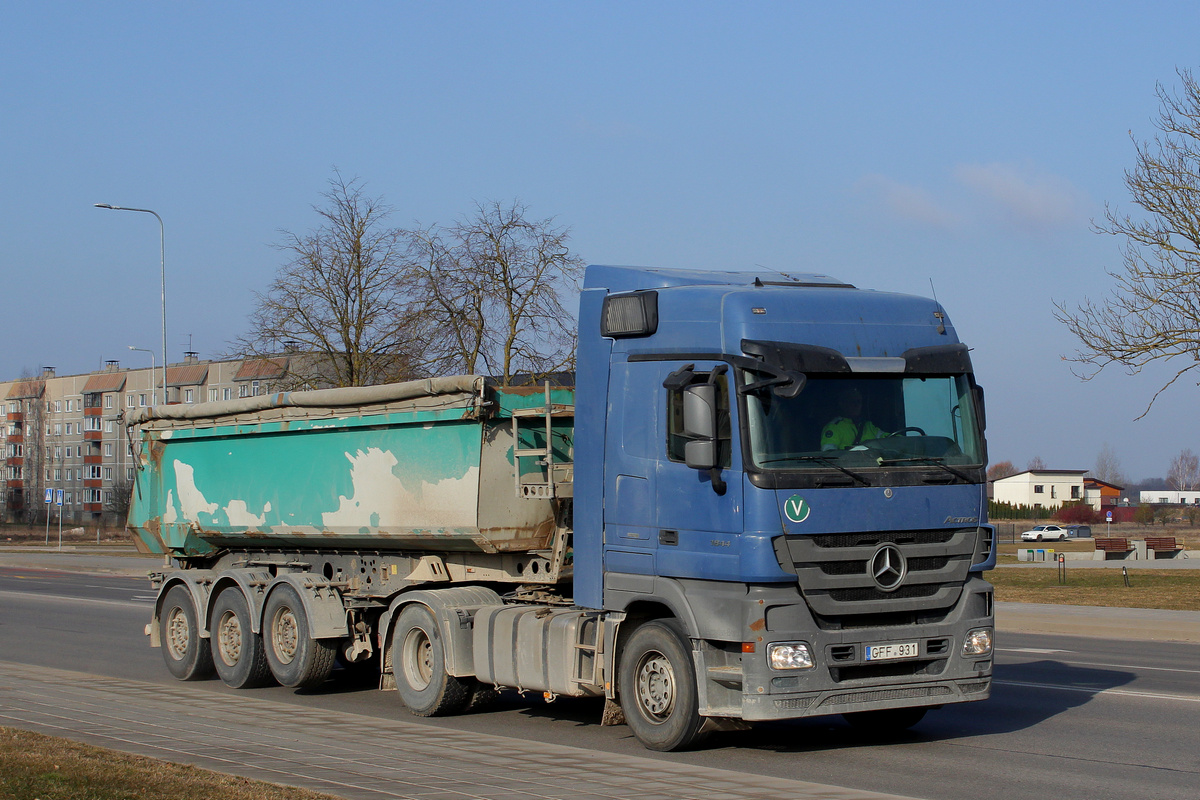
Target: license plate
<point>891,652</point>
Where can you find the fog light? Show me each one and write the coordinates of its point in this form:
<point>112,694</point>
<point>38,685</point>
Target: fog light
<point>978,643</point>
<point>789,655</point>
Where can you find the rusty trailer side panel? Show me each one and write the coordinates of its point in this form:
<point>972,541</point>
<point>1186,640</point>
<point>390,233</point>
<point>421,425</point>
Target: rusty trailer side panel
<point>425,466</point>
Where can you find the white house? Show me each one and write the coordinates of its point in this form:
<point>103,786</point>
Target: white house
<point>1170,497</point>
<point>1043,488</point>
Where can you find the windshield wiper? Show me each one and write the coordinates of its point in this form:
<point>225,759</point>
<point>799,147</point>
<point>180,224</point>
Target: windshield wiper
<point>937,462</point>
<point>829,462</point>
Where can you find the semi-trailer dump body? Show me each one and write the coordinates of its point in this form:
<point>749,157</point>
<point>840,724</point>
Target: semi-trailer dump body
<point>763,498</point>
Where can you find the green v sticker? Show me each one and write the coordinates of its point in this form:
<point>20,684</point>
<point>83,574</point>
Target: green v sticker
<point>796,508</point>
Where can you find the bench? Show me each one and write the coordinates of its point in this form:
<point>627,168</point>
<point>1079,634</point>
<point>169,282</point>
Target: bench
<point>1163,546</point>
<point>1118,548</point>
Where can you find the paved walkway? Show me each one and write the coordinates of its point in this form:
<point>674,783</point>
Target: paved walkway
<point>356,757</point>
<point>1135,624</point>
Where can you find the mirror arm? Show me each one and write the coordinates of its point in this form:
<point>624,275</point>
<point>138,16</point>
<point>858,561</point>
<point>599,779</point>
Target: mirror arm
<point>714,474</point>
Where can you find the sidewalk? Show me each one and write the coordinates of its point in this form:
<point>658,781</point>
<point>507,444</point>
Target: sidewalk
<point>357,757</point>
<point>1133,624</point>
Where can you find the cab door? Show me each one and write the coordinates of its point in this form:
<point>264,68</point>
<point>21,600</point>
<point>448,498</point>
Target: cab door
<point>698,520</point>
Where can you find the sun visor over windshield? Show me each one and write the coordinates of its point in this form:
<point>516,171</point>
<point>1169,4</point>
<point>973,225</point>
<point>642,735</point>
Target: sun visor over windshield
<point>803,358</point>
<point>942,359</point>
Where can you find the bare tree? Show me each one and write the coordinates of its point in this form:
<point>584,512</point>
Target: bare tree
<point>120,497</point>
<point>340,298</point>
<point>493,287</point>
<point>1001,469</point>
<point>1035,463</point>
<point>1108,466</point>
<point>1184,475</point>
<point>1153,313</point>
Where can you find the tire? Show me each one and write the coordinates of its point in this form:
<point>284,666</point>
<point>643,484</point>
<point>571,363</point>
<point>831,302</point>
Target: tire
<point>419,664</point>
<point>482,696</point>
<point>297,660</point>
<point>238,652</point>
<point>885,722</point>
<point>1039,537</point>
<point>657,684</point>
<point>188,657</point>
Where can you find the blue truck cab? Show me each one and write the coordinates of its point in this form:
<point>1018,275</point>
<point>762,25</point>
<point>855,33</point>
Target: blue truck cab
<point>786,474</point>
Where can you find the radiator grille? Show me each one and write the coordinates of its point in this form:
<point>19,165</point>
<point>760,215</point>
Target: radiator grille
<point>834,574</point>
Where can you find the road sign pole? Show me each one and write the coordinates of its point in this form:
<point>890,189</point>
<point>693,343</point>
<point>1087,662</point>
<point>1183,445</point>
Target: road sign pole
<point>49,500</point>
<point>58,499</point>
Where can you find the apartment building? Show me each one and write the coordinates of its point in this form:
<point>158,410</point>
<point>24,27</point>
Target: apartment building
<point>64,436</point>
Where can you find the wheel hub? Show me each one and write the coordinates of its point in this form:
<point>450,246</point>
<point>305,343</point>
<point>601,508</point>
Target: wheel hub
<point>286,635</point>
<point>656,686</point>
<point>178,634</point>
<point>229,638</point>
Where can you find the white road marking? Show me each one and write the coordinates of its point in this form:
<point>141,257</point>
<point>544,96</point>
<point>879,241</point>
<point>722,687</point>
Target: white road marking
<point>1117,692</point>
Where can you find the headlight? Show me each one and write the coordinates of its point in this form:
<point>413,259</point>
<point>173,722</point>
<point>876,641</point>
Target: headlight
<point>978,642</point>
<point>789,655</point>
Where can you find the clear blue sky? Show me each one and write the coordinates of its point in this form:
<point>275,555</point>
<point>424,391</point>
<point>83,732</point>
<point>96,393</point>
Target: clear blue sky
<point>887,144</point>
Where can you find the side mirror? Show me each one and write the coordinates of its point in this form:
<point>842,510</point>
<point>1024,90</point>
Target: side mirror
<point>700,454</point>
<point>700,426</point>
<point>700,411</point>
<point>979,407</point>
<point>701,451</point>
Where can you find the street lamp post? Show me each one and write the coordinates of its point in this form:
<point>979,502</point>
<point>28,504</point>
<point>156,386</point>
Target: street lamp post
<point>151,352</point>
<point>162,253</point>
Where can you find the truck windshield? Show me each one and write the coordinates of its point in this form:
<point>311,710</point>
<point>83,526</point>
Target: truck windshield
<point>859,422</point>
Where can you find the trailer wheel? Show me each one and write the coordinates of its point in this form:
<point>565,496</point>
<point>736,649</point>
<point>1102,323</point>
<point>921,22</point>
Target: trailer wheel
<point>658,687</point>
<point>419,663</point>
<point>188,657</point>
<point>238,652</point>
<point>296,659</point>
<point>885,721</point>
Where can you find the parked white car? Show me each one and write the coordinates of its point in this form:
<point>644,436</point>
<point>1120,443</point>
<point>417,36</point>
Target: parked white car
<point>1044,532</point>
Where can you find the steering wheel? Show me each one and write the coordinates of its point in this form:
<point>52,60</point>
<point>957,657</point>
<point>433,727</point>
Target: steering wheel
<point>903,431</point>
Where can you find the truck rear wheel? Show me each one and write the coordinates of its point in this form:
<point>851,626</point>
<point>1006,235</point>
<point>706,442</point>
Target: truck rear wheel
<point>419,664</point>
<point>658,687</point>
<point>296,659</point>
<point>188,657</point>
<point>237,651</point>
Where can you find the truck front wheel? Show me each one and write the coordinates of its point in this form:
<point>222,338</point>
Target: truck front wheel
<point>188,657</point>
<point>419,663</point>
<point>237,651</point>
<point>297,660</point>
<point>658,687</point>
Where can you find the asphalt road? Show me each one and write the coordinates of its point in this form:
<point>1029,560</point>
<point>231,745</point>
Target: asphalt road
<point>1069,717</point>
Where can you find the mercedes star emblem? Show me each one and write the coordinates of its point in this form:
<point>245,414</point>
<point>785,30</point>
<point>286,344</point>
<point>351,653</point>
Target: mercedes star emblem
<point>888,567</point>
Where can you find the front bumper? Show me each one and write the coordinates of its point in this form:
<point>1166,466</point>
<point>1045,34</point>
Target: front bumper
<point>843,680</point>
